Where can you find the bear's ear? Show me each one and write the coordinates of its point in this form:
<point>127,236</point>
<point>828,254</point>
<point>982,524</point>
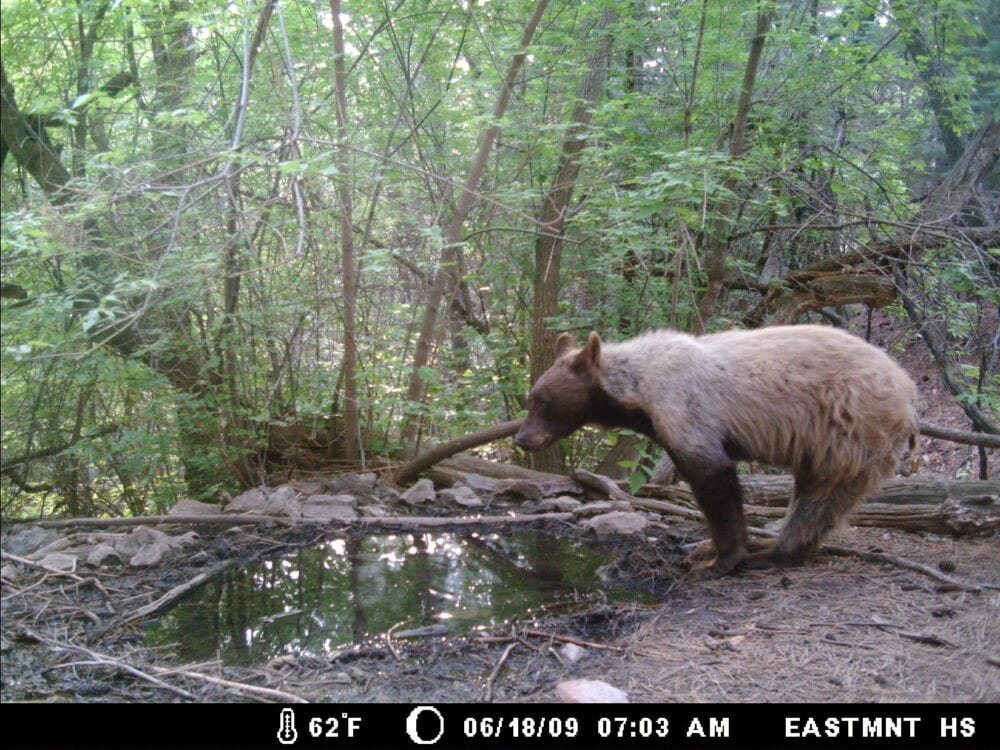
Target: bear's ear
<point>564,343</point>
<point>590,355</point>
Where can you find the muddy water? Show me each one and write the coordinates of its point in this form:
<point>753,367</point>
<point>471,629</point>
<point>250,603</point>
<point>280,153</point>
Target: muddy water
<point>318,600</point>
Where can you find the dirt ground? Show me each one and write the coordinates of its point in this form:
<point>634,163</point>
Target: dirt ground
<point>840,629</point>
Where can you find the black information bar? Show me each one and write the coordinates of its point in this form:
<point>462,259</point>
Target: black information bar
<point>449,725</point>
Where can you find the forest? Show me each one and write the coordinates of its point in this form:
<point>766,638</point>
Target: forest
<point>241,239</point>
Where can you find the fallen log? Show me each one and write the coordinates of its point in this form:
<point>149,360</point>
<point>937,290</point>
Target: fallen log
<point>775,490</point>
<point>429,458</point>
<point>409,471</point>
<point>921,503</point>
<point>606,486</point>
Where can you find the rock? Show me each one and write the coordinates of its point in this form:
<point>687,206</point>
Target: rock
<point>479,483</point>
<point>589,691</point>
<point>616,522</point>
<point>517,491</point>
<point>100,553</point>
<point>422,491</point>
<point>193,508</point>
<point>358,484</point>
<point>330,507</point>
<point>59,561</point>
<point>309,487</point>
<point>374,511</point>
<point>154,545</point>
<point>460,495</point>
<point>251,501</point>
<point>570,653</point>
<point>283,501</point>
<point>386,494</point>
<point>365,482</point>
<point>601,506</point>
<point>27,541</point>
<point>561,504</point>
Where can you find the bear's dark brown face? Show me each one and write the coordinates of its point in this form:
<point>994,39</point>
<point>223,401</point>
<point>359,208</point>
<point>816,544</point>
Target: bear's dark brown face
<point>559,403</point>
<point>557,407</point>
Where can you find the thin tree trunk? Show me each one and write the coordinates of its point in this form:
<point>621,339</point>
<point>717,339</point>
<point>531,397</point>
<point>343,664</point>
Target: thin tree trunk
<point>443,276</point>
<point>548,245</point>
<point>348,269</point>
<point>717,250</point>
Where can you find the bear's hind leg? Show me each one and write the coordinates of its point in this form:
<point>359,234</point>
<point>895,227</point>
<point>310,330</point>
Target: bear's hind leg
<point>721,501</point>
<point>815,510</point>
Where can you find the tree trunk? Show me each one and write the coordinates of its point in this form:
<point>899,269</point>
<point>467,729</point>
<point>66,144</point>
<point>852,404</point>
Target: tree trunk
<point>717,251</point>
<point>348,268</point>
<point>555,205</point>
<point>443,276</point>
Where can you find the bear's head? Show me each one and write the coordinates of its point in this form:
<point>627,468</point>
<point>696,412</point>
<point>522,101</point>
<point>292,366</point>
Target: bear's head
<point>560,402</point>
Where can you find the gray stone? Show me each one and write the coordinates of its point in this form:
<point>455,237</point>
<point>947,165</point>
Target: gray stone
<point>251,501</point>
<point>59,561</point>
<point>193,508</point>
<point>589,691</point>
<point>422,491</point>
<point>601,506</point>
<point>460,495</point>
<point>330,507</point>
<point>100,553</point>
<point>479,483</point>
<point>570,653</point>
<point>561,504</point>
<point>283,501</point>
<point>27,541</point>
<point>616,522</point>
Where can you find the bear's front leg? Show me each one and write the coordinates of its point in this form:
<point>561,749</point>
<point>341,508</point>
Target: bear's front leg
<point>720,498</point>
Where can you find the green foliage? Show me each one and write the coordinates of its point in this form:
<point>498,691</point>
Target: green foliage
<point>182,293</point>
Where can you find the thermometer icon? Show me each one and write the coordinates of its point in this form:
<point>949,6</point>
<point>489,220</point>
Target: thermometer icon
<point>287,734</point>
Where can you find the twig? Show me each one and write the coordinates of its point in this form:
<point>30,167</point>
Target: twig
<point>418,522</point>
<point>224,518</point>
<point>569,639</point>
<point>488,695</point>
<point>388,638</point>
<point>902,562</point>
<point>181,589</point>
<point>280,695</point>
<point>107,661</point>
<point>50,570</point>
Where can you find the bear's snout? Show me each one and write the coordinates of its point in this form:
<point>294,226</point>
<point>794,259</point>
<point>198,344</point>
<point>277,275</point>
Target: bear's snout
<point>531,440</point>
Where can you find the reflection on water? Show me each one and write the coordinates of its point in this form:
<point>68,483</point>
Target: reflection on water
<point>317,600</point>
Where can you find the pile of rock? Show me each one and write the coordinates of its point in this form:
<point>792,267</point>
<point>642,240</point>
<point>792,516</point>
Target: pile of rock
<point>336,499</point>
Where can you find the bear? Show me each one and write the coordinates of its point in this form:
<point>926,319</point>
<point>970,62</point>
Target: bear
<point>833,409</point>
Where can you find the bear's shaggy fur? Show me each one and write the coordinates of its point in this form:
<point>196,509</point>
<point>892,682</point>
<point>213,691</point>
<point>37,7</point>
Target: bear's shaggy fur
<point>834,409</point>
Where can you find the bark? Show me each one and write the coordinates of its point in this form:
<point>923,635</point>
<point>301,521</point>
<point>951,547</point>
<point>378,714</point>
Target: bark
<point>717,251</point>
<point>977,513</point>
<point>348,267</point>
<point>555,206</point>
<point>775,490</point>
<point>28,145</point>
<point>409,471</point>
<point>959,436</point>
<point>444,275</point>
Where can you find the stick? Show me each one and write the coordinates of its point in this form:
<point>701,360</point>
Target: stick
<point>901,562</point>
<point>263,691</point>
<point>154,520</point>
<point>181,589</point>
<point>106,661</point>
<point>488,695</point>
